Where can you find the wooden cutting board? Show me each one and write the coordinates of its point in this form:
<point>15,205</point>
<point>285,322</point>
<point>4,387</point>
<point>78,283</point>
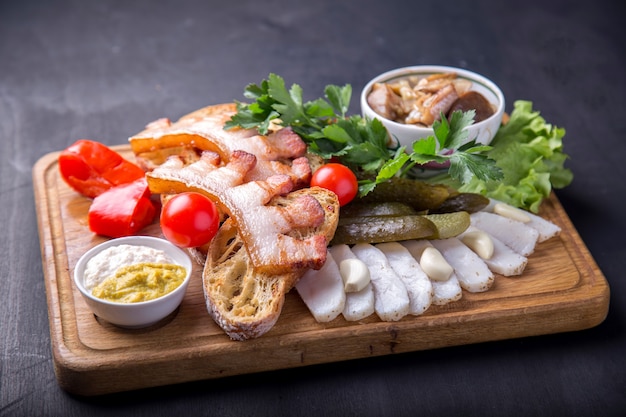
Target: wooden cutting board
<point>561,290</point>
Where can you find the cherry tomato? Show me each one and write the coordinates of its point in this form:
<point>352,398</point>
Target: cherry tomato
<point>337,178</point>
<point>189,220</point>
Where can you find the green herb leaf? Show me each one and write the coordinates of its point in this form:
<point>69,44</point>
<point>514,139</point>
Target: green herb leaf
<point>467,160</point>
<point>529,153</point>
<point>391,167</point>
<point>458,132</point>
<point>427,146</point>
<point>525,151</point>
<point>339,98</point>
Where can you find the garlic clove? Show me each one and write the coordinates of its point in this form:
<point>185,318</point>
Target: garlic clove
<point>513,213</point>
<point>355,274</point>
<point>479,242</point>
<point>435,265</point>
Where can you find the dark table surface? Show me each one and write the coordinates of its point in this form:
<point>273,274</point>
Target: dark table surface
<point>102,70</point>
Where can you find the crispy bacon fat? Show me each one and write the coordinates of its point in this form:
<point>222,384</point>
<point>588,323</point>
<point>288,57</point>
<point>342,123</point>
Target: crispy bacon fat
<point>265,229</point>
<point>280,152</point>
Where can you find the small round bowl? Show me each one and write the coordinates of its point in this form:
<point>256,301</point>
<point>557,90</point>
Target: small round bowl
<point>405,134</point>
<point>140,314</point>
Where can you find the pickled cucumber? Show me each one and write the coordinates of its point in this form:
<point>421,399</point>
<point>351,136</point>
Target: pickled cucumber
<point>378,229</point>
<point>417,194</point>
<point>385,208</point>
<point>449,224</point>
<point>470,202</point>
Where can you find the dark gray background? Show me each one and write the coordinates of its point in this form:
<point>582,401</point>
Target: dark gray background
<point>102,70</point>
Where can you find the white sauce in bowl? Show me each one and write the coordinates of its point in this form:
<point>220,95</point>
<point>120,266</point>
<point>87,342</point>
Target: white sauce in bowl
<point>107,262</point>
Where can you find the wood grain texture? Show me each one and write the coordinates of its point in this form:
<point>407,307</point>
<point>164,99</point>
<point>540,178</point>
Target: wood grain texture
<point>561,290</point>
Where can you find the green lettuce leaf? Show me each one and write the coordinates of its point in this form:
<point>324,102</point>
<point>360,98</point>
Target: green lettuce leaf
<point>529,152</point>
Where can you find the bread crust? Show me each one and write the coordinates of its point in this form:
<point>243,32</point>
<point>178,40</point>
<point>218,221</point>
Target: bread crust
<point>244,302</point>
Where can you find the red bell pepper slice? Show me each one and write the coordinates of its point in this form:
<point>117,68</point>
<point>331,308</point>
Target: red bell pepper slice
<point>91,168</point>
<point>122,210</point>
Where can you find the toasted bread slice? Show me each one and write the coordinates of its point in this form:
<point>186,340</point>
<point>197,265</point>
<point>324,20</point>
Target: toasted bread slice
<point>245,302</point>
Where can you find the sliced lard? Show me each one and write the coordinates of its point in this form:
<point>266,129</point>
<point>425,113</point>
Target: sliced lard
<point>544,227</point>
<point>516,235</point>
<point>391,300</point>
<point>418,286</point>
<point>359,305</point>
<point>322,291</point>
<point>504,261</point>
<point>473,274</point>
<point>444,292</point>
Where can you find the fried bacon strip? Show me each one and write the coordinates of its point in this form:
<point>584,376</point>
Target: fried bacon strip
<point>280,152</point>
<point>267,230</point>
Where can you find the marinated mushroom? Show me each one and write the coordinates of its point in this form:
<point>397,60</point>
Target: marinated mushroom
<point>421,100</point>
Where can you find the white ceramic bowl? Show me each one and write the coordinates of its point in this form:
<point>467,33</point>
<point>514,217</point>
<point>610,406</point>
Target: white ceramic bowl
<point>405,134</point>
<point>140,314</point>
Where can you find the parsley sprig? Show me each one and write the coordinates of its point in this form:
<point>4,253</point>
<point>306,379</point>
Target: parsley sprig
<point>361,144</point>
<point>322,123</point>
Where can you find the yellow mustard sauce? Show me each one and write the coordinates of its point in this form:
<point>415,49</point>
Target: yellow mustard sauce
<point>140,282</point>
